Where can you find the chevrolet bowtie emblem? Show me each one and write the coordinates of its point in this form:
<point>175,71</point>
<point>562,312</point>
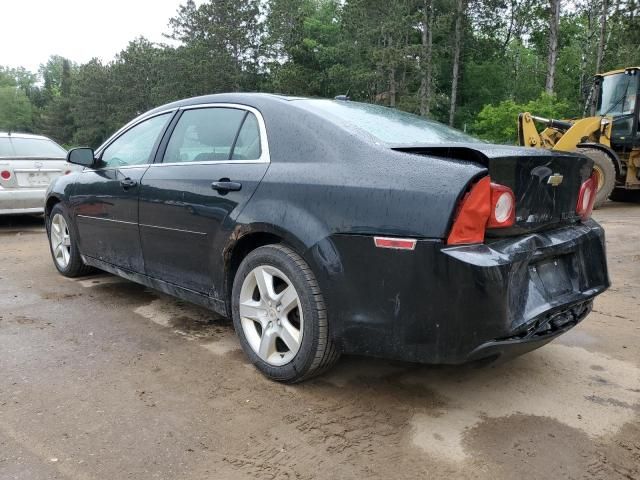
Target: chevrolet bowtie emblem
<point>555,180</point>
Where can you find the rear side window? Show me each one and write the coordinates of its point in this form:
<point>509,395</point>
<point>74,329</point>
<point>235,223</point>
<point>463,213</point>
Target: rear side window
<point>30,147</point>
<point>210,134</point>
<point>247,145</point>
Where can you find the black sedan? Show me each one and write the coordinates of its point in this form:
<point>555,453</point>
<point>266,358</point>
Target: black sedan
<point>325,227</point>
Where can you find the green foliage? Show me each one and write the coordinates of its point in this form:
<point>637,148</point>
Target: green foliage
<point>374,50</point>
<point>498,123</point>
<point>15,110</point>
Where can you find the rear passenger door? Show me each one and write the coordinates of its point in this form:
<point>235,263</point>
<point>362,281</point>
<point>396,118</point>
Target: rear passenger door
<point>204,174</point>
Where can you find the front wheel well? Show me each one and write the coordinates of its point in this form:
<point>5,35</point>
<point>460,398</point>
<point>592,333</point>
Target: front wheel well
<point>240,250</point>
<point>51,202</point>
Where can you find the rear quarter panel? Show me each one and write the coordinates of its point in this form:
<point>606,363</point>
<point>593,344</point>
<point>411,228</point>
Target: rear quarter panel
<point>324,183</point>
<point>324,179</point>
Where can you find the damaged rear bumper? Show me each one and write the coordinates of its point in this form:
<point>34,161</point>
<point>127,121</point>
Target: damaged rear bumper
<point>439,304</point>
<point>538,333</point>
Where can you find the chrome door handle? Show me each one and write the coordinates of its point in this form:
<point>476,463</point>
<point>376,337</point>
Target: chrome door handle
<point>128,183</point>
<point>225,185</point>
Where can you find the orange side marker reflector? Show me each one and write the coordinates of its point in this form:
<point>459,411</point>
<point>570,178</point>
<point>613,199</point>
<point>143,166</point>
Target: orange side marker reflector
<point>395,243</point>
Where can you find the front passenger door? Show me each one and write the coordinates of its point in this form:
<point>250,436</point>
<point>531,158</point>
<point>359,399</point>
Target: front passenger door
<point>105,199</point>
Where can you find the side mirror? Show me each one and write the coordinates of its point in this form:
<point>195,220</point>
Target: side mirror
<point>81,156</point>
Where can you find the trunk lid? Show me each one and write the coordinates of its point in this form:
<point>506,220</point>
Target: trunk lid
<point>31,172</point>
<point>546,184</point>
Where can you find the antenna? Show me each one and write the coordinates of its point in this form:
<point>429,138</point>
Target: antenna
<point>345,97</point>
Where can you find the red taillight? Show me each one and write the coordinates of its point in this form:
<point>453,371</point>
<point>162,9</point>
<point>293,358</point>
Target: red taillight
<point>487,205</point>
<point>395,243</point>
<point>5,174</point>
<point>503,207</point>
<point>473,214</point>
<point>587,196</point>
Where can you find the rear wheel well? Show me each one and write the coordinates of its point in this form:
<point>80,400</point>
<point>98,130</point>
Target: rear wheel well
<point>240,250</point>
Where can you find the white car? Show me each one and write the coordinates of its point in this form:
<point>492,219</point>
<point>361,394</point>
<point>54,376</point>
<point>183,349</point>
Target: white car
<point>28,163</point>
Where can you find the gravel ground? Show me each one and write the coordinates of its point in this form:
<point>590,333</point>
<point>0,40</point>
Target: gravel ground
<point>105,379</point>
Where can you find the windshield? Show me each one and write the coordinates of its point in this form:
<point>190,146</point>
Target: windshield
<point>389,125</point>
<point>30,147</point>
<point>618,94</point>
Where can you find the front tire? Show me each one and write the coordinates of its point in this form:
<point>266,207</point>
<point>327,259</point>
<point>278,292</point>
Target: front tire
<point>63,244</point>
<point>280,316</point>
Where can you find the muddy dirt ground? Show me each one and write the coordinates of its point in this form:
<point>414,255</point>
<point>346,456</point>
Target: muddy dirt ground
<point>101,378</point>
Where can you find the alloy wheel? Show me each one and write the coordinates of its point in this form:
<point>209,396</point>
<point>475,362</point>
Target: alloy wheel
<point>271,315</point>
<point>60,240</point>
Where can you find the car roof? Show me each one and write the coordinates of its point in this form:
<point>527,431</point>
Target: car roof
<point>22,135</point>
<point>275,105</point>
<point>255,100</point>
<point>237,97</point>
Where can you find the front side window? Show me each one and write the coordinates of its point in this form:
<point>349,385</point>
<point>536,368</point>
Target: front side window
<point>210,134</point>
<point>135,146</point>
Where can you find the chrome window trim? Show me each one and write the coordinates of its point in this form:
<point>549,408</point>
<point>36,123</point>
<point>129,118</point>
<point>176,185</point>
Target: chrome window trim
<point>107,143</point>
<point>109,169</point>
<point>265,156</point>
<point>209,162</point>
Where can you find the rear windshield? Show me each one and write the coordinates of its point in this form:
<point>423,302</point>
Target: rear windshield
<point>388,125</point>
<point>30,147</point>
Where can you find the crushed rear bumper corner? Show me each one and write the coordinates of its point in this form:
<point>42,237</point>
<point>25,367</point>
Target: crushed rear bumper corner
<point>543,330</point>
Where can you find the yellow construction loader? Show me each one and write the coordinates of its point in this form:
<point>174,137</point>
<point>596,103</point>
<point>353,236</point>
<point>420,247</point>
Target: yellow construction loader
<point>610,137</point>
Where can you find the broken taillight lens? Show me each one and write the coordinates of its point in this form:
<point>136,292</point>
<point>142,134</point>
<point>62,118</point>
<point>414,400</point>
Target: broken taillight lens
<point>587,197</point>
<point>487,205</point>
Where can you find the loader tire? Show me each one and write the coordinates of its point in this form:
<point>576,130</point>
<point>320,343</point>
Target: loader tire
<point>603,165</point>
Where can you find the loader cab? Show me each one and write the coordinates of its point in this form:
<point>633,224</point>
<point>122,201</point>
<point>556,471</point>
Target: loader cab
<point>618,96</point>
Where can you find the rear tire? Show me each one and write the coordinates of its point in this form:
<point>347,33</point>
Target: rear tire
<point>63,244</point>
<point>603,165</point>
<point>280,317</point>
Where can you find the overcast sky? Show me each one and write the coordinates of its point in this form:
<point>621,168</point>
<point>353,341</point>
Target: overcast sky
<point>32,30</point>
